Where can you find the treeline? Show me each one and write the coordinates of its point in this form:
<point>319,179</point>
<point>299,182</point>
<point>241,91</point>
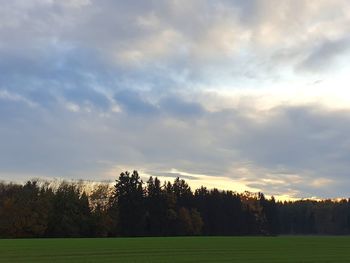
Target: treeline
<point>134,208</point>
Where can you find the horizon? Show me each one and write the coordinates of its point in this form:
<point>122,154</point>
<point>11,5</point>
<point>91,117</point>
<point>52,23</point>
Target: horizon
<point>88,186</point>
<point>235,95</point>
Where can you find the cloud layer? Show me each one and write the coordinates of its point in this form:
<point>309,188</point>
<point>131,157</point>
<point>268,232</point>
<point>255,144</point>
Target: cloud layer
<point>246,94</point>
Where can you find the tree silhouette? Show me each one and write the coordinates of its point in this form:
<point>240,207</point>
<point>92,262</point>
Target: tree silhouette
<point>130,208</point>
<point>129,195</point>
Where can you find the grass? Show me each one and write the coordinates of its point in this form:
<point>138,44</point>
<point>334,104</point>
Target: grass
<point>179,249</point>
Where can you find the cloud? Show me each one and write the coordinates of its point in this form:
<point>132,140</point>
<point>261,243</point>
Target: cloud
<point>178,107</point>
<point>88,86</point>
<point>86,95</point>
<point>285,150</point>
<point>325,55</point>
<point>132,102</point>
<point>200,41</point>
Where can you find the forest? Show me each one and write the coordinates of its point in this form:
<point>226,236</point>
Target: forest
<point>132,207</point>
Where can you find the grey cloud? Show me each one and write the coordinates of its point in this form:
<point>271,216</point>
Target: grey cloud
<point>174,105</point>
<point>11,110</point>
<point>76,75</point>
<point>83,95</point>
<point>295,138</point>
<point>307,142</point>
<point>145,57</point>
<point>179,107</point>
<point>325,55</point>
<point>132,102</point>
<point>138,35</point>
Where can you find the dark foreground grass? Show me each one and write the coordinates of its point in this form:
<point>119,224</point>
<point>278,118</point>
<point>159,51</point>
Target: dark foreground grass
<point>179,249</point>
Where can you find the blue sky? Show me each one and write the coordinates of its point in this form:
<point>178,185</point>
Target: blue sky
<point>240,94</point>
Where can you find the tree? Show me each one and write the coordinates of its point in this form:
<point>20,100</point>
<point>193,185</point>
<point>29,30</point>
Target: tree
<point>270,214</point>
<point>156,206</point>
<point>104,224</point>
<point>70,215</point>
<point>23,210</point>
<point>129,198</point>
<point>37,209</point>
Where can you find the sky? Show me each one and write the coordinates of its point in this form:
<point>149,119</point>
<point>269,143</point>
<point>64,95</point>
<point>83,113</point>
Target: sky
<point>242,94</point>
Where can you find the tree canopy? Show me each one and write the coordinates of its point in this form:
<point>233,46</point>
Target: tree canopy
<point>134,208</point>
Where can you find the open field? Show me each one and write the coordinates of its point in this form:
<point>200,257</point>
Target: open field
<point>179,249</point>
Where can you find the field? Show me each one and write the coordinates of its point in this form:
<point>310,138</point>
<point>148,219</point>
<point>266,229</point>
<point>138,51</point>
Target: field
<point>179,249</point>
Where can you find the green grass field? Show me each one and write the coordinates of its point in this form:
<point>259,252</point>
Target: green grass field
<point>179,249</point>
